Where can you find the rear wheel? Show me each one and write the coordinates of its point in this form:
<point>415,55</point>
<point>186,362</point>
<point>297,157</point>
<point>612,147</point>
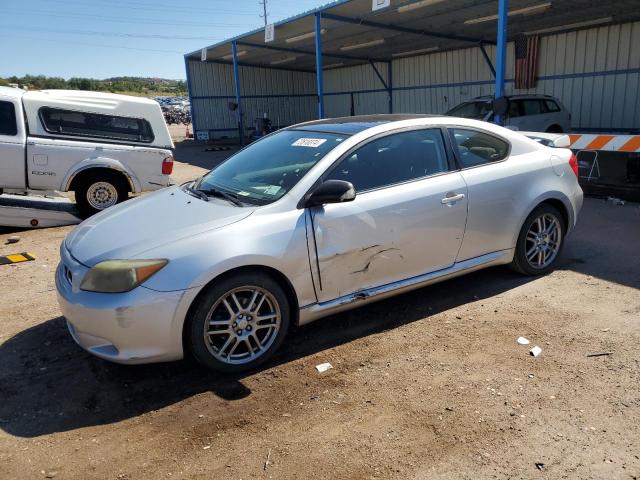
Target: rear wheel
<point>96,191</point>
<point>238,323</point>
<point>540,241</point>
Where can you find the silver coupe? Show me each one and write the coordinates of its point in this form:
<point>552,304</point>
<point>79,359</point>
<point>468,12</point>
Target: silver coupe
<point>308,221</point>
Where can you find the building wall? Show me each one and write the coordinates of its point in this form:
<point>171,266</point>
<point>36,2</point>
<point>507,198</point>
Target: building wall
<point>594,72</point>
<point>286,96</point>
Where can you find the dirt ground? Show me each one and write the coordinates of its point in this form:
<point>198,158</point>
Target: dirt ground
<point>427,385</point>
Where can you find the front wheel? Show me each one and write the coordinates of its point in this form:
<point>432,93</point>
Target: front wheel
<point>96,191</point>
<point>540,241</point>
<point>238,323</point>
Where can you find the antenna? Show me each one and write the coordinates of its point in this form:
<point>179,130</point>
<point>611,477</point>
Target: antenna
<point>264,9</point>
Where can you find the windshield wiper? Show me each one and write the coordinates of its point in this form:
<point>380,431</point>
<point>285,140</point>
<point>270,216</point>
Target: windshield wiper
<point>197,193</point>
<point>221,193</point>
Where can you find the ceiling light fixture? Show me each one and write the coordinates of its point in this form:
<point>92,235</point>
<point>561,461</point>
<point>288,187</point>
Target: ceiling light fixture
<point>415,52</point>
<point>304,36</point>
<point>283,60</point>
<point>572,26</point>
<point>334,65</point>
<point>521,11</point>
<point>355,46</point>
<point>241,53</point>
<point>413,6</point>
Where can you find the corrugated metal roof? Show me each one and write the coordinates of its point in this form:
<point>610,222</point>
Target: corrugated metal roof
<point>354,34</point>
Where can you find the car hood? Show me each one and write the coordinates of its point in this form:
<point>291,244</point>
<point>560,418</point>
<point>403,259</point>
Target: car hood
<point>136,226</point>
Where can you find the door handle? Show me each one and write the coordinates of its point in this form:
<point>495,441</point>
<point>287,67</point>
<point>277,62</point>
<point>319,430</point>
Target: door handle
<point>452,198</point>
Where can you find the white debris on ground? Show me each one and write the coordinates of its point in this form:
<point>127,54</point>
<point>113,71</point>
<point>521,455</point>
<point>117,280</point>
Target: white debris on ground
<point>535,351</point>
<point>522,341</point>
<point>323,367</point>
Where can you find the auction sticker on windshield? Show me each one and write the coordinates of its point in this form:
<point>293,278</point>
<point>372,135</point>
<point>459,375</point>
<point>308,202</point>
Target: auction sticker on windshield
<point>309,142</point>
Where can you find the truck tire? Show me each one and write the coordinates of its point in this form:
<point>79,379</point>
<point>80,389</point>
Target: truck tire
<point>96,191</point>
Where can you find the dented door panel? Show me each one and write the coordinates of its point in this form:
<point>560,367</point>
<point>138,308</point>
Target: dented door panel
<point>387,235</point>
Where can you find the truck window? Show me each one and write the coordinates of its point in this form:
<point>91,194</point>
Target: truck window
<point>8,124</point>
<point>85,124</point>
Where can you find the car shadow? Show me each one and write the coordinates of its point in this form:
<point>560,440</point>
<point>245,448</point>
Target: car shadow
<point>48,384</point>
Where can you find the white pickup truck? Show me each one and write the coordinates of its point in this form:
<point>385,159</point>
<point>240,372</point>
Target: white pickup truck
<point>99,145</point>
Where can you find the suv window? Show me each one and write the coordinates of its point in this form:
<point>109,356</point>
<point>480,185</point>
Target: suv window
<point>533,107</point>
<point>477,148</point>
<point>8,125</point>
<point>392,159</point>
<point>551,106</point>
<point>85,124</point>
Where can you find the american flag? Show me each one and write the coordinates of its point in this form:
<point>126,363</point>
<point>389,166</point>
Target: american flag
<point>526,49</point>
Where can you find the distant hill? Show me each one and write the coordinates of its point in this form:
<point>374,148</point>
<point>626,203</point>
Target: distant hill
<point>148,87</point>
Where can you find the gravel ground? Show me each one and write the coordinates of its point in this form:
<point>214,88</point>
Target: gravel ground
<point>430,384</point>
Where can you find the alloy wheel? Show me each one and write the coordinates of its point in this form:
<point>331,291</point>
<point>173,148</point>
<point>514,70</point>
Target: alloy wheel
<point>242,325</point>
<point>543,240</point>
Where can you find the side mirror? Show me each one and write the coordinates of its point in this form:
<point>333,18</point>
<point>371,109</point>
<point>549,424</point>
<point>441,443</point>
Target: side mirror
<point>500,106</point>
<point>331,191</point>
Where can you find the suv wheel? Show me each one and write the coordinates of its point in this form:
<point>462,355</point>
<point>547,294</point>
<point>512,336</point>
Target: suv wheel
<point>97,191</point>
<point>238,323</point>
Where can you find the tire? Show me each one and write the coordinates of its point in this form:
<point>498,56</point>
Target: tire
<point>554,129</point>
<point>239,341</point>
<point>543,250</point>
<point>96,191</point>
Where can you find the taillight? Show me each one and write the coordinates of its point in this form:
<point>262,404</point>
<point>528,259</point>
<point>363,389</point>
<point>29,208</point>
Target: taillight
<point>573,162</point>
<point>167,166</point>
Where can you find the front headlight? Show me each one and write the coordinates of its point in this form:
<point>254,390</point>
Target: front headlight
<point>117,276</point>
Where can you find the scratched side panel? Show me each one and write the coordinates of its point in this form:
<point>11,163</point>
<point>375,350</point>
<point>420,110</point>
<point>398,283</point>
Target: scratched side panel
<point>388,235</point>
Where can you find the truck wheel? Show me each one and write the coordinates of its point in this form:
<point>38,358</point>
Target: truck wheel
<point>96,191</point>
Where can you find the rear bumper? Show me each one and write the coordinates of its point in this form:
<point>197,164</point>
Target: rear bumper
<point>140,326</point>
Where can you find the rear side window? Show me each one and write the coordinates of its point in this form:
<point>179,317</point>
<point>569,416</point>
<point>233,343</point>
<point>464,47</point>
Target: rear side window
<point>551,106</point>
<point>392,159</point>
<point>533,107</point>
<point>477,148</point>
<point>85,124</point>
<point>8,124</point>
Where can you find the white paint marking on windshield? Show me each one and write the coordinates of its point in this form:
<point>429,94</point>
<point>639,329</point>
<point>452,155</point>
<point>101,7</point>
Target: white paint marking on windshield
<point>309,142</point>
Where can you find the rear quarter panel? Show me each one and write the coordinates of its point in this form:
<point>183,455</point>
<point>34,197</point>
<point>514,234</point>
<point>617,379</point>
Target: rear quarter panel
<point>503,194</point>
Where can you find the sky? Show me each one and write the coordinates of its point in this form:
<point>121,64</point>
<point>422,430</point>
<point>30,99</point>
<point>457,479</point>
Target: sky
<point>111,38</point>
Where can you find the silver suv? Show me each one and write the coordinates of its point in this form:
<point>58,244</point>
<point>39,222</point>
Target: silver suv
<point>531,113</point>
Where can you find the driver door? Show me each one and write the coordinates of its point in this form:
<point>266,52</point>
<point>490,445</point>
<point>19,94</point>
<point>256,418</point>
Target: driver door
<point>407,219</point>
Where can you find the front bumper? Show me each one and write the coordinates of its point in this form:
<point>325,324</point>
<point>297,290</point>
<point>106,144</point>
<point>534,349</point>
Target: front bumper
<point>140,326</point>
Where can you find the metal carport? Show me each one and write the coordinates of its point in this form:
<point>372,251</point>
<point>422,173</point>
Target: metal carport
<point>345,37</point>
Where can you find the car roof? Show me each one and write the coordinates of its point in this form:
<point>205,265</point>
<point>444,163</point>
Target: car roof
<point>11,92</point>
<point>355,124</point>
<point>513,97</point>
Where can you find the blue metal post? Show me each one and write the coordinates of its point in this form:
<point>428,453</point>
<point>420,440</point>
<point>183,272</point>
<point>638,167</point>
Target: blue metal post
<point>501,55</point>
<point>236,79</point>
<point>319,80</point>
<point>390,83</point>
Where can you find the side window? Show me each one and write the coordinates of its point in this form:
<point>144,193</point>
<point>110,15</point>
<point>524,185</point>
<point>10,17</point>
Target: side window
<point>533,107</point>
<point>515,107</point>
<point>393,159</point>
<point>85,124</point>
<point>476,148</point>
<point>8,125</point>
<point>552,106</point>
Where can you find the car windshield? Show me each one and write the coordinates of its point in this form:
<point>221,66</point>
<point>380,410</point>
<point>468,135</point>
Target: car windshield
<point>476,110</point>
<point>267,169</point>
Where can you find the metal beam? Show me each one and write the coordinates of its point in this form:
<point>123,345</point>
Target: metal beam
<point>487,59</point>
<point>390,79</point>
<point>236,80</point>
<point>398,28</point>
<point>501,54</point>
<point>319,73</point>
<point>193,110</point>
<point>386,84</point>
<point>375,69</point>
<point>306,52</point>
